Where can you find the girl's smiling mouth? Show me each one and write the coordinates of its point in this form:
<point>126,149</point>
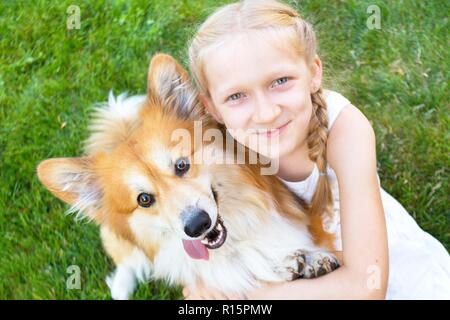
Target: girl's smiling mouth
<point>269,133</point>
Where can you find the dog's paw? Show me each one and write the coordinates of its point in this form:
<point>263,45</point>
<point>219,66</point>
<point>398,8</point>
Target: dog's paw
<point>121,283</point>
<point>302,264</point>
<point>293,266</point>
<point>319,263</point>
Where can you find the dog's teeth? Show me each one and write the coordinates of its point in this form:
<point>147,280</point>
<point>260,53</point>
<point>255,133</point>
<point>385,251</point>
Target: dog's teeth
<point>217,234</point>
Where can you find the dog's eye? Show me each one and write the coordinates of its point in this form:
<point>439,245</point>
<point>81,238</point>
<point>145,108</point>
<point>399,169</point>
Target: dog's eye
<point>181,166</point>
<point>145,200</point>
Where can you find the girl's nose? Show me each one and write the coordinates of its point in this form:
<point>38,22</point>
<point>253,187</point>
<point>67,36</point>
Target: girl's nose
<point>265,111</point>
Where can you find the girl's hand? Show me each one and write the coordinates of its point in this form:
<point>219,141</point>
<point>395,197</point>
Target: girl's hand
<point>203,293</point>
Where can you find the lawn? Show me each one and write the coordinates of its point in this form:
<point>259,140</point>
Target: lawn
<point>50,77</point>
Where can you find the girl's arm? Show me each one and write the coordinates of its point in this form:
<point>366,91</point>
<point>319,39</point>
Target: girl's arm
<point>364,273</point>
<point>351,152</point>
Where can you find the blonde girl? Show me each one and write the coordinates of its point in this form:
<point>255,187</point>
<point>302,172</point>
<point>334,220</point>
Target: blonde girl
<point>256,67</point>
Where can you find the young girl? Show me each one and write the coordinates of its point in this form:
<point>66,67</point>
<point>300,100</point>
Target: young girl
<point>256,67</point>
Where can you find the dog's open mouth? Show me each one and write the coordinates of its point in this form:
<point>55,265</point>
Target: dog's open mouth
<point>198,249</point>
<point>217,236</point>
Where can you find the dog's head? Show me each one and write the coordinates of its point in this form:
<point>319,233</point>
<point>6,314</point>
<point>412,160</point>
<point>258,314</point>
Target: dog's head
<point>138,175</point>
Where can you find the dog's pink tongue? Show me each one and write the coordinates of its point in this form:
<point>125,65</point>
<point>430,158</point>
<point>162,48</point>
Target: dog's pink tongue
<point>196,249</point>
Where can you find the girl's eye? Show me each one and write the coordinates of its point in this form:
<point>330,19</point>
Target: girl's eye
<point>145,200</point>
<point>182,166</point>
<point>235,96</point>
<point>281,81</point>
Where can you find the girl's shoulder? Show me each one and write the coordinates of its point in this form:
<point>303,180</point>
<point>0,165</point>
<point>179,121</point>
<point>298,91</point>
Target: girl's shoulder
<point>336,102</point>
<point>340,109</point>
<point>350,133</point>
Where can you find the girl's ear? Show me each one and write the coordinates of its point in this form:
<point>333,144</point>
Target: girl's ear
<point>208,104</point>
<point>316,74</point>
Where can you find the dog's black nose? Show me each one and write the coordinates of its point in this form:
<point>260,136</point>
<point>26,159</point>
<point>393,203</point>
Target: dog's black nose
<point>196,222</point>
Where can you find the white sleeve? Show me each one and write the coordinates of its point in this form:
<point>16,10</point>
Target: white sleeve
<point>335,103</point>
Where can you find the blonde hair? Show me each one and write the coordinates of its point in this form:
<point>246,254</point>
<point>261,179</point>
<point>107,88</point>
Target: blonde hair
<point>270,17</point>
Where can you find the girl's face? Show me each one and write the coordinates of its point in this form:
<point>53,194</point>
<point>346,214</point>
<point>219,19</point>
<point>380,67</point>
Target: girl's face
<point>261,93</point>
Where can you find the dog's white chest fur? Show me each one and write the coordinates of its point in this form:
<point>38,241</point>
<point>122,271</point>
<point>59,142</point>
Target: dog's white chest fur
<point>237,267</point>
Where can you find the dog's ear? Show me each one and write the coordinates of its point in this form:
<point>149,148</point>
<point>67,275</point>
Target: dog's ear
<point>72,181</point>
<point>170,87</point>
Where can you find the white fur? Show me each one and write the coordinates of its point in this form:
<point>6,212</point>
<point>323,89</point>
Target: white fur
<point>137,181</point>
<point>118,112</point>
<point>237,266</point>
<point>123,107</point>
<point>135,268</point>
<point>88,194</point>
<point>160,156</point>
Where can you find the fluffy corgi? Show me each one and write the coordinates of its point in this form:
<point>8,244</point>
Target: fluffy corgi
<point>163,215</point>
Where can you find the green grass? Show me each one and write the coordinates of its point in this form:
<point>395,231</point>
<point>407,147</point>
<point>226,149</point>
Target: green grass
<point>398,76</point>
